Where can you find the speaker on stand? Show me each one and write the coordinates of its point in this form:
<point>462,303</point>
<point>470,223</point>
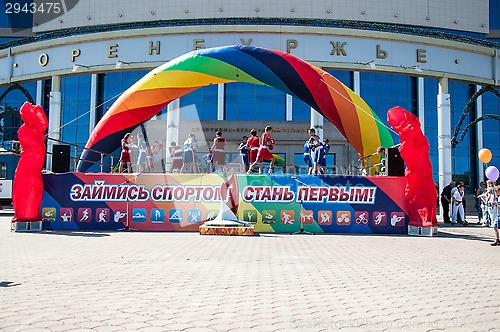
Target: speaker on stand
<point>395,163</point>
<point>60,158</point>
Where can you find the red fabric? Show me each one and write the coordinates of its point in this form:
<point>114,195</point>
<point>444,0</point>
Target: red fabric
<point>220,143</point>
<point>125,155</point>
<point>28,185</point>
<point>266,140</point>
<point>253,145</point>
<point>253,142</point>
<point>175,152</point>
<point>264,154</point>
<point>253,155</point>
<point>218,158</point>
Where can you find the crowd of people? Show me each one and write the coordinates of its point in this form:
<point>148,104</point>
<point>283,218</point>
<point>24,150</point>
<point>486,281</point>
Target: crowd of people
<point>145,153</point>
<point>253,152</point>
<point>487,204</point>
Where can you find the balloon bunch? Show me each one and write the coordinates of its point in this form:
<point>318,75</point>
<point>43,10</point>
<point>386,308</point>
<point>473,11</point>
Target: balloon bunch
<point>491,172</point>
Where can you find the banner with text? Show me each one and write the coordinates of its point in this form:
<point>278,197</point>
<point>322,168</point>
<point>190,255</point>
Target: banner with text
<point>182,202</point>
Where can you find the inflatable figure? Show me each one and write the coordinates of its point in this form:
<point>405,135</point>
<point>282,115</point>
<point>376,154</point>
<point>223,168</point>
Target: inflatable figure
<point>28,185</point>
<point>420,190</point>
<point>355,120</point>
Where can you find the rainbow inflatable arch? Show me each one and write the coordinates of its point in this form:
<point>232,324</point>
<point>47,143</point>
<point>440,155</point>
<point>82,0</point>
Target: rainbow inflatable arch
<point>323,92</point>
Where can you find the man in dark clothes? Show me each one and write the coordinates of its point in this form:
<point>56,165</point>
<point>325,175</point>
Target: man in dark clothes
<point>446,201</point>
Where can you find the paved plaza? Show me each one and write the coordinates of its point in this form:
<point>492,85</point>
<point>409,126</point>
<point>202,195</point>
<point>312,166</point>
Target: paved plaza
<point>112,281</point>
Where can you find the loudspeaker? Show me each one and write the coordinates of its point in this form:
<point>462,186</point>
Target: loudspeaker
<point>60,158</point>
<point>395,164</point>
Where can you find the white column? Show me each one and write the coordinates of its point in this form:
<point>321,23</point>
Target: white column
<point>444,133</point>
<point>479,133</point>
<point>93,103</point>
<point>317,122</point>
<point>289,108</point>
<point>421,103</point>
<point>173,120</point>
<point>10,64</point>
<point>221,92</point>
<point>39,93</point>
<point>54,129</point>
<point>356,82</point>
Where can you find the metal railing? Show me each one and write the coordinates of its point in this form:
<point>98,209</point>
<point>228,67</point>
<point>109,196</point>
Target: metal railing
<point>77,149</point>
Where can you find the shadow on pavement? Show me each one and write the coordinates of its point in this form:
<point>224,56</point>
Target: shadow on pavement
<point>443,233</point>
<point>73,233</point>
<point>8,284</point>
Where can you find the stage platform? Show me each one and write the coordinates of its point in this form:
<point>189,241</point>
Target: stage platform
<point>183,202</point>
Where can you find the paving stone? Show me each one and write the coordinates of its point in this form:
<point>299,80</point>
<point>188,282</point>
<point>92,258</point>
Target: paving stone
<point>183,281</point>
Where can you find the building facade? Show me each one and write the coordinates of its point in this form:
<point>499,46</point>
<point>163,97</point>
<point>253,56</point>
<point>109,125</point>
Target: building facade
<point>429,57</point>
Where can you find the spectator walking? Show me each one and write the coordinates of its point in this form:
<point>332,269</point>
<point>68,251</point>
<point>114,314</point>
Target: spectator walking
<point>458,215</point>
<point>479,202</point>
<point>496,222</point>
<point>490,200</point>
<point>446,201</point>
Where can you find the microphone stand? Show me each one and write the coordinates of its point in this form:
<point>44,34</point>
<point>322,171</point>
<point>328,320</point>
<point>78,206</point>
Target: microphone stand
<point>127,225</point>
<point>301,230</point>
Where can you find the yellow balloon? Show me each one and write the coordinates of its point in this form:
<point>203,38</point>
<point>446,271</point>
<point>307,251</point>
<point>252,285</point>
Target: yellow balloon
<point>485,155</point>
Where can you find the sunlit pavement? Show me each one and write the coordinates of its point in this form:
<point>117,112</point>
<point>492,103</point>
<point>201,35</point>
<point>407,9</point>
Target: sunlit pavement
<point>111,281</point>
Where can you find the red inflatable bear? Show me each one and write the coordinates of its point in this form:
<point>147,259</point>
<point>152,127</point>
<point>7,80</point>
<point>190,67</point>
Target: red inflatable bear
<point>28,185</point>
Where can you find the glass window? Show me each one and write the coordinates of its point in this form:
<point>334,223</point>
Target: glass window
<point>200,104</point>
<point>494,14</point>
<point>383,91</point>
<point>110,86</point>
<point>246,101</point>
<point>462,163</point>
<point>10,104</point>
<point>3,170</point>
<point>302,168</point>
<point>302,111</point>
<point>431,127</point>
<point>491,127</point>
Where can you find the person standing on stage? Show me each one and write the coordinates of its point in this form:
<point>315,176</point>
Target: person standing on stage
<point>217,149</point>
<point>141,147</point>
<point>264,152</point>
<point>244,152</point>
<point>322,162</point>
<point>307,156</point>
<point>125,154</point>
<point>190,145</point>
<point>253,147</point>
<point>150,152</point>
<point>382,165</point>
<point>176,155</point>
<point>446,200</point>
<point>318,150</point>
